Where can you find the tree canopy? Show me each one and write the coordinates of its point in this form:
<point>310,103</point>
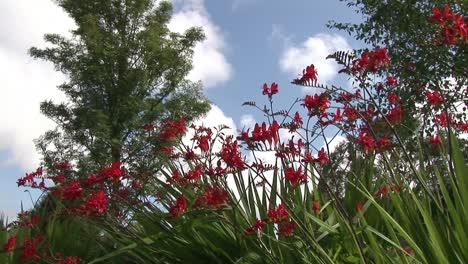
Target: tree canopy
<point>124,69</point>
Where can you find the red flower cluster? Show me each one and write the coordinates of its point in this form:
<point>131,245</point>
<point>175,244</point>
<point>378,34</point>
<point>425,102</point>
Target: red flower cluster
<point>114,171</point>
<point>322,157</point>
<point>434,98</point>
<point>360,207</point>
<point>278,214</point>
<point>395,115</point>
<point>270,91</point>
<point>195,174</point>
<point>71,190</point>
<point>28,179</point>
<point>435,140</point>
<point>350,113</point>
<point>179,207</point>
<point>262,133</point>
<point>316,206</point>
<point>371,61</point>
<point>452,26</point>
<point>10,244</point>
<point>391,81</point>
<point>29,251</point>
<point>213,196</point>
<point>295,177</point>
<point>258,226</point>
<point>148,127</point>
<point>202,137</point>
<point>392,98</point>
<point>64,165</point>
<point>231,155</point>
<point>317,104</point>
<point>172,129</point>
<point>295,123</point>
<point>69,260</point>
<point>367,142</point>
<point>384,190</point>
<point>96,203</point>
<point>287,228</point>
<point>309,76</point>
<point>442,119</point>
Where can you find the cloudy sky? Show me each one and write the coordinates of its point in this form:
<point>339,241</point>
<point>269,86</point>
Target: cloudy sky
<point>249,42</point>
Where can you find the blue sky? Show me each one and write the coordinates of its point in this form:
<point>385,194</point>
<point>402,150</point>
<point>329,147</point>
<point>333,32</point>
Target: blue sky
<point>249,42</point>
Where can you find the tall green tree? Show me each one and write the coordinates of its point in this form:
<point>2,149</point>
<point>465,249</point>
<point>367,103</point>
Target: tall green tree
<point>124,69</point>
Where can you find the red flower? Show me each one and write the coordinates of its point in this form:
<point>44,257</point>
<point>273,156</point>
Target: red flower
<point>258,226</point>
<point>337,117</point>
<point>317,104</point>
<point>214,196</point>
<point>295,177</point>
<point>395,115</point>
<point>231,155</point>
<point>441,17</point>
<point>359,207</point>
<point>350,113</point>
<point>322,157</point>
<point>367,142</point>
<point>371,61</point>
<point>391,81</point>
<point>204,143</point>
<point>287,229</point>
<point>97,203</point>
<point>382,192</point>
<point>392,98</point>
<point>442,119</point>
<point>179,207</point>
<point>262,133</point>
<point>383,142</point>
<point>65,165</point>
<point>71,190</point>
<point>69,260</point>
<point>298,118</point>
<point>172,129</point>
<point>30,249</point>
<point>309,74</point>
<point>190,154</point>
<point>307,158</point>
<point>268,91</point>
<point>148,127</point>
<point>434,98</point>
<point>39,171</point>
<point>380,57</point>
<point>115,170</point>
<point>10,244</point>
<point>278,214</point>
<point>316,206</point>
<point>435,140</point>
<point>194,174</point>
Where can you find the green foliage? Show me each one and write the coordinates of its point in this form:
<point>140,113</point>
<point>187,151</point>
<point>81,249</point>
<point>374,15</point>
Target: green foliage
<point>430,224</point>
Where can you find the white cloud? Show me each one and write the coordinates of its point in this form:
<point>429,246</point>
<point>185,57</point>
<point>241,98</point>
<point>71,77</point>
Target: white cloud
<point>247,121</point>
<point>334,142</point>
<point>213,119</point>
<point>314,50</point>
<point>216,117</point>
<point>25,82</point>
<point>210,63</point>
